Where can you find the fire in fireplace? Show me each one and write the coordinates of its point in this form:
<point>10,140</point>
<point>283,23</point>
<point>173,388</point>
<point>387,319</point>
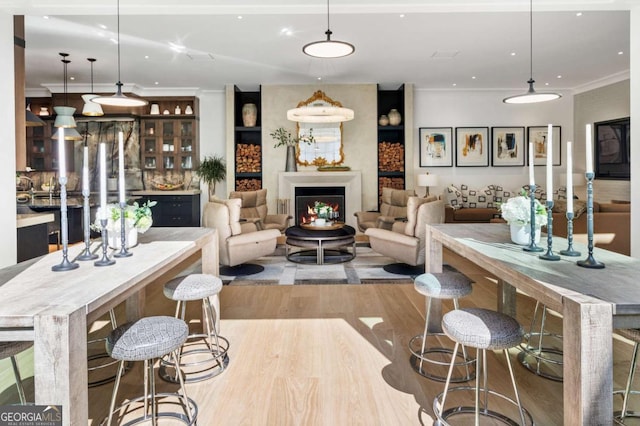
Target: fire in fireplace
<point>306,197</point>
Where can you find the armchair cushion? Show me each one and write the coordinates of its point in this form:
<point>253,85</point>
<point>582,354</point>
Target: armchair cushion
<point>233,214</point>
<point>254,206</point>
<point>393,211</point>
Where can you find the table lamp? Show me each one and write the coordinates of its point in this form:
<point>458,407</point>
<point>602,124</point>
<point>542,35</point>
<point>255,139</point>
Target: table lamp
<point>427,180</point>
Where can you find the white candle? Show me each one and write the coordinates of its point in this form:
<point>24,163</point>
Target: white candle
<point>85,169</point>
<point>62,164</point>
<point>588,150</point>
<point>531,178</point>
<point>569,178</point>
<point>549,163</point>
<point>103,181</point>
<point>121,166</point>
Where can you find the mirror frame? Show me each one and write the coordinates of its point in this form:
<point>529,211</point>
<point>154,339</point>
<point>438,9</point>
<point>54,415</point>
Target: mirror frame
<point>319,96</point>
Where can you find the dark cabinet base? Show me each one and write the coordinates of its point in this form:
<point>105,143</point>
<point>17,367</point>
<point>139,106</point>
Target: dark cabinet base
<point>32,242</point>
<point>174,210</point>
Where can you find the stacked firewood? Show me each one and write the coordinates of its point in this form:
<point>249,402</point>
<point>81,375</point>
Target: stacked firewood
<point>248,158</point>
<point>391,157</point>
<point>248,184</point>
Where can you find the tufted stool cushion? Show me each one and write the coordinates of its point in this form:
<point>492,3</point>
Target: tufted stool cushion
<point>193,287</point>
<point>447,285</point>
<point>482,328</point>
<point>147,338</point>
<point>8,349</point>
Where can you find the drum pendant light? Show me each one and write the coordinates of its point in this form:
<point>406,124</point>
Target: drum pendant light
<point>64,114</point>
<point>328,48</point>
<point>119,99</point>
<point>91,108</point>
<point>531,96</point>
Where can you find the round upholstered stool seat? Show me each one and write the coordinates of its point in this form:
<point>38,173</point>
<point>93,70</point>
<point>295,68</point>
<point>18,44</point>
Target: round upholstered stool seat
<point>430,360</point>
<point>144,340</point>
<point>204,355</point>
<point>10,350</point>
<point>484,330</point>
<point>626,412</point>
<point>541,349</point>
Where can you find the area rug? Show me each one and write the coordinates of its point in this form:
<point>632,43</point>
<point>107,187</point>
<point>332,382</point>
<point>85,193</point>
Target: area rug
<point>365,268</point>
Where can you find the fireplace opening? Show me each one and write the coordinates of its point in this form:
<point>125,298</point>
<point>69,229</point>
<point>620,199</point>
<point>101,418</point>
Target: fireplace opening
<point>306,196</point>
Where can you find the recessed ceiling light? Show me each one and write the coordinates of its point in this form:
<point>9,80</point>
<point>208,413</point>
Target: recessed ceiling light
<point>113,40</point>
<point>72,78</point>
<point>579,14</point>
<point>546,84</point>
<point>559,76</point>
<point>45,17</point>
<point>621,53</point>
<point>239,16</point>
<point>286,31</point>
<point>157,82</point>
<point>473,77</point>
<point>177,47</point>
<point>146,56</point>
<point>319,78</point>
<point>402,15</point>
<point>454,84</point>
<point>103,26</point>
<point>513,53</point>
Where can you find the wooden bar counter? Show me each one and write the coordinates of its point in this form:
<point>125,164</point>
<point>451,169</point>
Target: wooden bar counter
<point>52,309</point>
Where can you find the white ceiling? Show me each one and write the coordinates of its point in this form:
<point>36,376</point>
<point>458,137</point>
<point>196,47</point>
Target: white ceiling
<point>219,48</point>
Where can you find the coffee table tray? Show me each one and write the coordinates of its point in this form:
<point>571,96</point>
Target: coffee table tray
<point>327,227</point>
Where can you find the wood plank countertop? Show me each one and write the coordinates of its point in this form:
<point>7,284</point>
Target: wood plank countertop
<point>31,219</point>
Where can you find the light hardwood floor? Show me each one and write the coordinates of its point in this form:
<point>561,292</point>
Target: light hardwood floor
<point>331,355</point>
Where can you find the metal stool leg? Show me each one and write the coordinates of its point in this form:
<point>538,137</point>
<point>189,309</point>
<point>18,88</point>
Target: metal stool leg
<point>112,406</point>
<point>16,373</point>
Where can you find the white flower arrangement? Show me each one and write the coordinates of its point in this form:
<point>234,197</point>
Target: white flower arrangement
<point>322,210</point>
<point>517,211</point>
<point>135,216</point>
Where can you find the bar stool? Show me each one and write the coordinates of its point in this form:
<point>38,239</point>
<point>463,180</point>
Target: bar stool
<point>545,361</point>
<point>481,329</point>
<point>94,366</point>
<point>145,340</point>
<point>207,350</point>
<point>448,285</point>
<point>620,416</point>
<point>10,350</point>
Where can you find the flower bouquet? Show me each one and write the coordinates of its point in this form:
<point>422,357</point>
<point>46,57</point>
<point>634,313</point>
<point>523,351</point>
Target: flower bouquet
<point>517,212</point>
<point>323,212</point>
<point>137,218</point>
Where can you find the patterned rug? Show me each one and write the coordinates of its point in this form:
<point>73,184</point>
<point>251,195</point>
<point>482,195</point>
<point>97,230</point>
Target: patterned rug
<point>366,268</point>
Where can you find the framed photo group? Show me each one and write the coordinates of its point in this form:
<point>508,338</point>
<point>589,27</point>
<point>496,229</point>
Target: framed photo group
<point>477,147</point>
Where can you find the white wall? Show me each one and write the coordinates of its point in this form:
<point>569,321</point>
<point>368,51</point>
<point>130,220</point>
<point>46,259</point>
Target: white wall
<point>458,108</point>
<point>212,133</point>
<point>635,129</point>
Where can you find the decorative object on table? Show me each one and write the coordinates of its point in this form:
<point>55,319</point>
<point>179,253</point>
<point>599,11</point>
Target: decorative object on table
<point>155,109</point>
<point>177,110</point>
<point>166,186</point>
<point>507,146</point>
<point>549,172</point>
<point>436,147</point>
<point>590,261</point>
<point>188,110</point>
<point>569,214</point>
<point>137,219</point>
<point>525,218</point>
<point>426,180</point>
<point>65,265</point>
<point>101,215</point>
<point>86,210</point>
<point>549,254</point>
<point>333,168</point>
<point>284,137</point>
<point>472,146</point>
<point>323,211</point>
<point>394,117</point>
<point>212,170</point>
<point>539,135</point>
<point>249,115</point>
<point>383,120</point>
<point>327,226</point>
<point>122,198</point>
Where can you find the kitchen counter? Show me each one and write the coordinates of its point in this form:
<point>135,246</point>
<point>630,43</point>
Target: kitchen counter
<point>32,219</point>
<point>176,192</point>
<point>33,234</point>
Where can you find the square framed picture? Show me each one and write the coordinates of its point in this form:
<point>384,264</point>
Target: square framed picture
<point>538,135</point>
<point>472,146</point>
<point>507,146</point>
<point>436,146</point>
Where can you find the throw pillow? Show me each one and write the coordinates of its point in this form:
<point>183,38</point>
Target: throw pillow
<point>453,197</point>
<point>579,207</point>
<point>501,195</point>
<point>476,198</point>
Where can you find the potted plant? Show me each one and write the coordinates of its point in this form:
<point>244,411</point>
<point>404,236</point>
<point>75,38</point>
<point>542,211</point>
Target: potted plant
<point>517,212</point>
<point>284,137</point>
<point>138,219</point>
<point>212,170</point>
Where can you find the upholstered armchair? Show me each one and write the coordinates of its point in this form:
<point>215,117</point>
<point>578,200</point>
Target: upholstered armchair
<point>254,209</point>
<point>392,214</point>
<point>237,246</point>
<point>409,246</point>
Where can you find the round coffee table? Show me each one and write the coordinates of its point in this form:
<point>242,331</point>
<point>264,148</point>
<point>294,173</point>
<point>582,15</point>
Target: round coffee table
<point>320,246</point>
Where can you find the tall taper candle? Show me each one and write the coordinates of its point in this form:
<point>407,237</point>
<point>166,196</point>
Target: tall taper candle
<point>588,150</point>
<point>103,181</point>
<point>121,167</point>
<point>532,181</point>
<point>569,177</point>
<point>62,161</point>
<point>85,168</point>
<point>549,163</point>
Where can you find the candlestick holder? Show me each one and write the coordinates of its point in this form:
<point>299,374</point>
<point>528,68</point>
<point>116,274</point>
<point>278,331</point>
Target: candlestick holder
<point>65,265</point>
<point>590,261</point>
<point>532,220</point>
<point>105,261</point>
<point>570,251</point>
<point>549,254</point>
<point>86,222</point>
<point>123,234</point>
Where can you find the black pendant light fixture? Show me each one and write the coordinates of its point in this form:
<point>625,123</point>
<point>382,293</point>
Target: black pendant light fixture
<point>531,96</point>
<point>119,99</point>
<point>91,108</point>
<point>328,48</point>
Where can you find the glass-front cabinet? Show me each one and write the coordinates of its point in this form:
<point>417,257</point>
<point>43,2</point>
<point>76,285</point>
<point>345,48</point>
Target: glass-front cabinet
<point>168,143</point>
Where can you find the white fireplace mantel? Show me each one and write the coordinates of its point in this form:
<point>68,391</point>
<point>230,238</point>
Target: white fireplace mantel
<point>352,182</point>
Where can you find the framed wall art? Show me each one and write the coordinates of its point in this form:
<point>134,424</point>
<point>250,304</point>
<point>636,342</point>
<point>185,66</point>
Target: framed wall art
<point>472,146</point>
<point>436,146</point>
<point>507,146</point>
<point>613,149</point>
<point>538,135</point>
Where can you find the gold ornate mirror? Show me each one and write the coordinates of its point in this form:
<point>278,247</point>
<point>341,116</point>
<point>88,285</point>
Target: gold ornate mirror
<point>326,150</point>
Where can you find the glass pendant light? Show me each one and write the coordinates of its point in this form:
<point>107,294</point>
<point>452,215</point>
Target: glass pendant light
<point>119,99</point>
<point>328,48</point>
<point>531,96</point>
<point>91,108</point>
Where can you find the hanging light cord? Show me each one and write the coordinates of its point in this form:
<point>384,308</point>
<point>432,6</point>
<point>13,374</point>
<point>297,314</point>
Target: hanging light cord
<point>91,60</point>
<point>118,12</point>
<point>530,39</point>
<point>328,26</point>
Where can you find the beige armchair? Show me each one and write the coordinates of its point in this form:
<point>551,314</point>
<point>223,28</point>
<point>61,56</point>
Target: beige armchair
<point>392,214</point>
<point>236,245</point>
<point>409,246</point>
<point>254,209</point>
